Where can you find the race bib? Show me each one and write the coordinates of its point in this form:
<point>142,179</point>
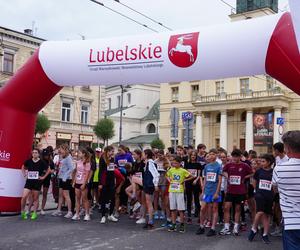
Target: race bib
<point>33,175</point>
<point>138,175</point>
<point>235,180</point>
<point>79,175</point>
<point>122,163</point>
<point>160,168</point>
<point>175,187</point>
<point>193,172</point>
<point>265,185</point>
<point>111,167</point>
<point>210,176</point>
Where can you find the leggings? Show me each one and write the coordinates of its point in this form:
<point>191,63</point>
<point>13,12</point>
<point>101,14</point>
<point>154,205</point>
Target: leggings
<point>108,196</point>
<point>191,191</point>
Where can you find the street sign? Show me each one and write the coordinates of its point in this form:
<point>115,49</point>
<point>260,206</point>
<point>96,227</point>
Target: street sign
<point>280,121</point>
<point>174,116</point>
<point>186,116</point>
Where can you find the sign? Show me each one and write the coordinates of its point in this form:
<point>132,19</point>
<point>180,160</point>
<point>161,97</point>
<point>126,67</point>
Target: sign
<point>280,121</point>
<point>187,116</point>
<point>88,138</point>
<point>263,129</point>
<point>64,136</point>
<point>174,116</point>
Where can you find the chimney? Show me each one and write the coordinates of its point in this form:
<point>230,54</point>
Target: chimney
<point>28,32</point>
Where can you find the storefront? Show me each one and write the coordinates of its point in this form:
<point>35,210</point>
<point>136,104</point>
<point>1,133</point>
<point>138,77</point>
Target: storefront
<point>63,138</point>
<point>85,140</point>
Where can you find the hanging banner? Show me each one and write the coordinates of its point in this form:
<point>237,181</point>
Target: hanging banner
<point>263,129</point>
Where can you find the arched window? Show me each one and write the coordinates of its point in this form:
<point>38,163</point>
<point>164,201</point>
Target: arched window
<point>151,129</point>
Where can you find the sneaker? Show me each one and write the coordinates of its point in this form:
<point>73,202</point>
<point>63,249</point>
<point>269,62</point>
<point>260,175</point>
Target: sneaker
<point>103,220</point>
<point>181,228</point>
<point>33,216</point>
<point>208,224</point>
<point>265,239</point>
<point>87,217</point>
<point>277,232</point>
<point>235,232</point>
<point>42,212</point>
<point>166,224</point>
<point>136,206</point>
<point>201,230</point>
<point>211,232</point>
<point>57,213</point>
<point>150,226</point>
<point>141,221</point>
<point>156,216</point>
<point>225,231</point>
<point>82,212</point>
<point>116,214</point>
<point>69,215</point>
<point>76,217</point>
<point>189,221</point>
<point>162,217</point>
<point>112,218</point>
<point>172,228</point>
<point>251,235</point>
<point>24,216</point>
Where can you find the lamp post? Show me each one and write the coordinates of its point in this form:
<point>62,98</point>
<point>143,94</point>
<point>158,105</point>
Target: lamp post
<point>123,90</point>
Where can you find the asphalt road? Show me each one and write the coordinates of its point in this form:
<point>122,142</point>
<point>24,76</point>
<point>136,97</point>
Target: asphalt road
<point>58,233</point>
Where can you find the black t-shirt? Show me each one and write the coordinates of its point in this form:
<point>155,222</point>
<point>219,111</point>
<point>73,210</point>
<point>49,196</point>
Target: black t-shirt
<point>107,173</point>
<point>35,169</point>
<point>195,168</point>
<point>264,182</point>
<point>137,167</point>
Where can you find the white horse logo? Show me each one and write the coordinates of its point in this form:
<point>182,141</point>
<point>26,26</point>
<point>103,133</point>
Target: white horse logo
<point>180,47</point>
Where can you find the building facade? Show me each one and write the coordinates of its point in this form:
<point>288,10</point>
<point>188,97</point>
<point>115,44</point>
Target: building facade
<point>72,112</point>
<point>227,111</point>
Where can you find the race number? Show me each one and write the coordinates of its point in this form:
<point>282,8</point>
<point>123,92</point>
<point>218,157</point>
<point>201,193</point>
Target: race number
<point>79,175</point>
<point>111,167</point>
<point>175,187</point>
<point>235,180</point>
<point>193,172</point>
<point>265,185</point>
<point>160,168</point>
<point>122,163</point>
<point>33,175</point>
<point>210,176</point>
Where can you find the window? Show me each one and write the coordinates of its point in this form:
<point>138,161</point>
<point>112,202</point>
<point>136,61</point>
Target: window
<point>109,103</point>
<point>244,116</point>
<point>66,112</point>
<point>84,113</point>
<point>119,101</point>
<point>175,93</point>
<point>244,86</point>
<point>151,129</point>
<point>218,118</point>
<point>270,83</point>
<point>129,98</point>
<point>8,62</point>
<point>219,87</point>
<point>195,92</point>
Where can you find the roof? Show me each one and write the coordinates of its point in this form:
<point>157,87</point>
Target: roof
<point>22,33</point>
<point>153,113</point>
<point>110,112</point>
<point>141,139</point>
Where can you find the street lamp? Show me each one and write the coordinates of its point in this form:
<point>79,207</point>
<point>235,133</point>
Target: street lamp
<point>123,90</point>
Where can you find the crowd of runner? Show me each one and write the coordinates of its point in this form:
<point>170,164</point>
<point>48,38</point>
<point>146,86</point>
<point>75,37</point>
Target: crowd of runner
<point>177,187</point>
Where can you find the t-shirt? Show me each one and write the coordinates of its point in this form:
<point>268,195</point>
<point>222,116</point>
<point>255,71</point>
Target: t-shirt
<point>195,168</point>
<point>264,182</point>
<point>201,160</point>
<point>160,166</point>
<point>236,176</point>
<point>138,168</point>
<point>177,177</point>
<point>96,173</point>
<point>211,173</point>
<point>280,161</point>
<point>107,173</point>
<point>35,169</point>
<point>82,171</point>
<point>65,168</point>
<point>121,161</point>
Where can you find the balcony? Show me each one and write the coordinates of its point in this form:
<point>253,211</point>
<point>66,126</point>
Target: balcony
<point>72,126</point>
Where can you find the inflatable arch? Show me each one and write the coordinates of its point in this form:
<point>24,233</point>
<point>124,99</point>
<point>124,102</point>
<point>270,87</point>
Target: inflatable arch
<point>267,45</point>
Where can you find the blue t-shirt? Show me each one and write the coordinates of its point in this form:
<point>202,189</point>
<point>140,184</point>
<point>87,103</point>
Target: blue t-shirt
<point>121,160</point>
<point>211,174</point>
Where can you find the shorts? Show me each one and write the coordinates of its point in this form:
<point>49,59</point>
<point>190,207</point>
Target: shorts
<point>65,185</point>
<point>78,186</point>
<point>276,198</point>
<point>210,199</point>
<point>235,198</point>
<point>177,201</point>
<point>35,185</point>
<point>250,192</point>
<point>149,190</point>
<point>264,204</point>
<point>46,182</point>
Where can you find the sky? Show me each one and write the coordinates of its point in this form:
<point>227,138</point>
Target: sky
<point>72,19</point>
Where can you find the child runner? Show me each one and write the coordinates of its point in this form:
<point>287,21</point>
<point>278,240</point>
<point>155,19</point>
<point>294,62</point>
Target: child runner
<point>80,182</point>
<point>236,172</point>
<point>262,182</point>
<point>37,171</point>
<point>211,192</point>
<point>177,175</point>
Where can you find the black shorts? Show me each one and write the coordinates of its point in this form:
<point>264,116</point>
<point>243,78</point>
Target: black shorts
<point>33,185</point>
<point>78,186</point>
<point>149,190</point>
<point>235,198</point>
<point>250,191</point>
<point>65,185</point>
<point>276,198</point>
<point>264,204</point>
<point>46,182</point>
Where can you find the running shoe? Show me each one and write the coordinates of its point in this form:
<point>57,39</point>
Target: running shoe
<point>103,220</point>
<point>33,216</point>
<point>57,213</point>
<point>265,239</point>
<point>76,217</point>
<point>156,216</point>
<point>208,224</point>
<point>42,212</point>
<point>117,214</point>
<point>69,215</point>
<point>251,235</point>
<point>235,232</point>
<point>211,232</point>
<point>172,228</point>
<point>87,217</point>
<point>277,232</point>
<point>136,206</point>
<point>225,231</point>
<point>166,224</point>
<point>24,216</point>
<point>141,221</point>
<point>112,218</point>
<point>181,228</point>
<point>201,230</point>
<point>162,217</point>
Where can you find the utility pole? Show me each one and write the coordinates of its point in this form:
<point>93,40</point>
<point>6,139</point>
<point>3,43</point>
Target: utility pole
<point>121,114</point>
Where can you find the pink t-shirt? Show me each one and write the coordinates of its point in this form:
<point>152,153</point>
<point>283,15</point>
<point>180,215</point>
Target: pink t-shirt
<point>81,172</point>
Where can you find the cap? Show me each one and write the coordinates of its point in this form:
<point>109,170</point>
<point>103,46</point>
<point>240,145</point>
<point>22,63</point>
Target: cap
<point>98,150</point>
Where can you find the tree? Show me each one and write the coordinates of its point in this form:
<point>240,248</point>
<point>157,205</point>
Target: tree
<point>42,124</point>
<point>157,143</point>
<point>104,129</point>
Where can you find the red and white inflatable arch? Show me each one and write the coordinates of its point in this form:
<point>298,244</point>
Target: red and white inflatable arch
<point>251,47</point>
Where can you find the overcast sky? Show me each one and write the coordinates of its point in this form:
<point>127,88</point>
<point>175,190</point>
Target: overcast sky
<point>68,19</point>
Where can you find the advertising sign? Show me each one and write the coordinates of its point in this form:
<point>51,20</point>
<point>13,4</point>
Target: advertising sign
<point>263,129</point>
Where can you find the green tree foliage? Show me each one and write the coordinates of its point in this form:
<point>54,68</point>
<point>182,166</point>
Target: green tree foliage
<point>157,143</point>
<point>42,124</point>
<point>104,129</point>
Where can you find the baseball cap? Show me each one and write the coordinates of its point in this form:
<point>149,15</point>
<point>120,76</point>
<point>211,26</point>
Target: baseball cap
<point>98,150</point>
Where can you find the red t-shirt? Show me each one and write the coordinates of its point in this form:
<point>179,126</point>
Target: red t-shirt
<point>236,176</point>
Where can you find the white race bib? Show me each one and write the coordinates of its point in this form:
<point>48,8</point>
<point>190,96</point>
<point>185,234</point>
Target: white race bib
<point>235,180</point>
<point>175,187</point>
<point>138,175</point>
<point>111,167</point>
<point>210,176</point>
<point>79,175</point>
<point>122,162</point>
<point>193,172</point>
<point>160,168</point>
<point>33,175</point>
<point>265,185</point>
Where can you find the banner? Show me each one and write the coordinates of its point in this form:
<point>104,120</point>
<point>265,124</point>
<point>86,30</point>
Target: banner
<point>263,129</point>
